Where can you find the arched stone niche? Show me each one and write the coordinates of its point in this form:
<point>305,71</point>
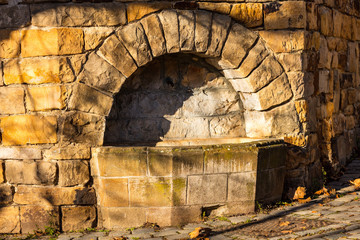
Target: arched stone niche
<point>237,53</point>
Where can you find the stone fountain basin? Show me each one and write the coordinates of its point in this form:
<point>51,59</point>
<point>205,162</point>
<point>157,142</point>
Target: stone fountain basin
<point>177,182</point>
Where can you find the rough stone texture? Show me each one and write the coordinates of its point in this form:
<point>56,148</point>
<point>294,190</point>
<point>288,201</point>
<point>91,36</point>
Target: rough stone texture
<point>68,153</point>
<point>74,218</point>
<point>326,21</point>
<point>20,153</point>
<point>34,71</point>
<point>10,220</point>
<point>202,30</point>
<point>113,192</point>
<point>2,178</point>
<point>6,194</point>
<point>302,84</point>
<point>268,70</point>
<point>100,74</point>
<point>219,31</point>
<point>136,11</point>
<point>134,39</point>
<point>56,41</point>
<point>114,52</point>
<point>154,34</point>
<point>88,99</point>
<point>289,14</point>
<point>284,41</point>
<point>213,183</point>
<point>242,186</point>
<point>223,8</point>
<point>44,98</point>
<point>292,61</point>
<point>9,43</point>
<point>276,122</point>
<point>119,218</point>
<point>14,16</point>
<point>12,100</point>
<point>163,216</point>
<point>156,192</point>
<point>30,172</point>
<point>105,14</point>
<point>170,25</point>
<point>248,14</point>
<point>38,218</point>
<point>238,43</point>
<point>28,129</point>
<point>73,173</point>
<point>53,196</point>
<point>186,30</point>
<point>94,36</point>
<point>276,93</point>
<point>121,162</point>
<point>82,128</point>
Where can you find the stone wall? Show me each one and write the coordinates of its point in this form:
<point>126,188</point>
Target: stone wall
<point>293,64</point>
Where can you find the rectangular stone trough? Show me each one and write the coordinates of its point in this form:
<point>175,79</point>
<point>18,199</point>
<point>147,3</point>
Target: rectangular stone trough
<point>172,185</point>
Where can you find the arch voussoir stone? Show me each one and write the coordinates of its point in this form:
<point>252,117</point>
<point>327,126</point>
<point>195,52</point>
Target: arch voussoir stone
<point>219,31</point>
<point>238,43</point>
<point>202,30</point>
<point>114,52</point>
<point>134,39</point>
<point>274,94</point>
<point>100,74</point>
<point>154,34</point>
<point>266,72</point>
<point>170,25</point>
<point>186,30</point>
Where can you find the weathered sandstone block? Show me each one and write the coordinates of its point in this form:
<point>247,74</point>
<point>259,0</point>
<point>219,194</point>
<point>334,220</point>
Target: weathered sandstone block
<point>293,61</point>
<point>94,36</point>
<point>164,216</point>
<point>9,43</point>
<point>288,14</point>
<point>326,21</point>
<point>10,220</point>
<point>30,172</point>
<point>20,153</point>
<point>50,196</point>
<point>136,10</point>
<point>12,100</point>
<point>248,14</point>
<point>202,30</point>
<point>114,52</point>
<point>125,217</point>
<point>222,8</point>
<point>244,191</point>
<point>14,16</point>
<point>284,41</point>
<point>44,98</point>
<point>155,192</point>
<point>114,192</point>
<point>28,129</point>
<point>68,153</point>
<point>88,99</point>
<point>276,122</point>
<point>6,194</point>
<point>312,16</point>
<point>302,84</point>
<point>170,25</point>
<point>277,92</point>
<point>212,183</point>
<point>236,46</point>
<point>56,41</point>
<point>154,34</point>
<point>101,14</point>
<point>186,30</point>
<point>79,217</point>
<point>219,30</point>
<point>73,173</point>
<point>134,39</point>
<point>268,70</point>
<point>82,128</point>
<point>38,217</point>
<point>100,74</point>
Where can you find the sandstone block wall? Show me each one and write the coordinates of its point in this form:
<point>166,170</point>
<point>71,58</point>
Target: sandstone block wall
<point>293,64</point>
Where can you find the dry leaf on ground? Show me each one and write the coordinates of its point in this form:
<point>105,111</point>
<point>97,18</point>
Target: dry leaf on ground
<point>200,232</point>
<point>286,223</point>
<point>299,193</point>
<point>356,183</point>
<point>304,200</point>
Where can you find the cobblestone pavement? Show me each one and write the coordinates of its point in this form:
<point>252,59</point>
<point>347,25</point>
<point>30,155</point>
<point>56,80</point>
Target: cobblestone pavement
<point>322,218</point>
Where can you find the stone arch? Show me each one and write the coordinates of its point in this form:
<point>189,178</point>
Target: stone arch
<point>237,52</point>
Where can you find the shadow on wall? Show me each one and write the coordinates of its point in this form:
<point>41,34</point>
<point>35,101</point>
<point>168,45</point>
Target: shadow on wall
<point>174,97</point>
